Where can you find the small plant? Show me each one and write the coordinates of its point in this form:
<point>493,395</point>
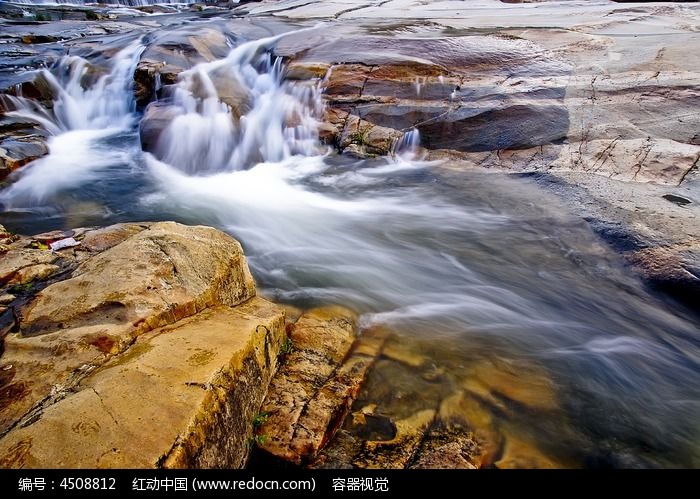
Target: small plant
<point>287,346</point>
<point>260,419</point>
<point>256,440</point>
<point>20,289</point>
<point>91,15</point>
<point>38,245</point>
<point>40,16</point>
<point>360,137</point>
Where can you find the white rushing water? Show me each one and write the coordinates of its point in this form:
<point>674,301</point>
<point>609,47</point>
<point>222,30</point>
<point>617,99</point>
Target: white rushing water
<point>83,116</point>
<point>257,117</point>
<point>460,262</point>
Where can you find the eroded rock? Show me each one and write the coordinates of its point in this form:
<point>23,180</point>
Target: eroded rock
<point>180,396</point>
<point>311,395</point>
<point>162,273</point>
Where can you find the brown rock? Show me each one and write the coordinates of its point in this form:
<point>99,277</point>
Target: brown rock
<point>394,350</point>
<point>466,416</point>
<point>311,395</point>
<point>521,454</point>
<point>367,138</point>
<point>108,237</point>
<point>398,452</point>
<point>174,277</point>
<point>16,259</point>
<point>180,396</point>
<point>303,70</point>
<point>33,273</point>
<point>156,117</point>
<point>526,385</point>
<point>154,278</point>
<point>444,450</point>
<point>174,51</point>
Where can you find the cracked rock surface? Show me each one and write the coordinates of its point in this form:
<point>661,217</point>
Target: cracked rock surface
<point>144,347</point>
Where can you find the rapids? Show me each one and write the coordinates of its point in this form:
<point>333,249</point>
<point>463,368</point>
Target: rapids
<point>466,266</point>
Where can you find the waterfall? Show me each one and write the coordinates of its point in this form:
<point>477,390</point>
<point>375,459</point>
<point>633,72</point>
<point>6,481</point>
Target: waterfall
<point>108,103</point>
<point>237,112</point>
<point>407,145</point>
<point>81,118</point>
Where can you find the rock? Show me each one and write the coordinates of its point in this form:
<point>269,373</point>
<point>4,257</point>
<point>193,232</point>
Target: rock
<point>28,39</point>
<point>108,237</point>
<point>33,273</point>
<point>672,269</point>
<point>230,91</point>
<point>175,277</point>
<point>6,299</point>
<point>54,235</point>
<point>394,350</point>
<point>201,379</point>
<point>443,449</point>
<point>147,76</point>
<point>312,393</point>
<point>525,385</point>
<point>368,138</point>
<point>156,117</point>
<point>16,259</point>
<point>300,70</point>
<point>398,452</point>
<point>172,52</point>
<point>36,86</point>
<point>163,273</point>
<point>17,153</point>
<point>348,133</point>
<point>520,454</point>
<point>464,415</point>
<point>23,140</point>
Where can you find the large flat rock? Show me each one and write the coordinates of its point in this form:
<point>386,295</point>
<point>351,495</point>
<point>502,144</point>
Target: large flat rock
<point>181,396</point>
<point>145,338</point>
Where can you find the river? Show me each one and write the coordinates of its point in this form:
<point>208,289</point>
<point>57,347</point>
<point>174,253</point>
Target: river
<point>473,271</point>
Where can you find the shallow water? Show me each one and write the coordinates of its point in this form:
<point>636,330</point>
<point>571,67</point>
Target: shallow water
<point>480,273</point>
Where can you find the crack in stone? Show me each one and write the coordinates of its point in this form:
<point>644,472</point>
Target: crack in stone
<point>105,406</point>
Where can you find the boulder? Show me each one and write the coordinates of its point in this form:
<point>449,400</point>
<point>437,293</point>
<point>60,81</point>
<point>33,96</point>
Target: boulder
<point>156,117</point>
<point>181,396</point>
<point>172,52</point>
<point>398,452</point>
<point>123,282</point>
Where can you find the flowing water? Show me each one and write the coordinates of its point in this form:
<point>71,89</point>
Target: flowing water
<point>468,270</point>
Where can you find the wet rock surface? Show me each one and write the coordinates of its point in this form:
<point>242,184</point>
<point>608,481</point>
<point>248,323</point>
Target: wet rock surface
<point>312,393</point>
<point>407,416</point>
<point>569,98</point>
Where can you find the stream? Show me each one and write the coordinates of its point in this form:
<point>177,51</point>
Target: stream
<point>476,272</point>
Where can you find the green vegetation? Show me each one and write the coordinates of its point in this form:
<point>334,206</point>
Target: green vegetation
<point>91,15</point>
<point>39,245</point>
<point>260,419</point>
<point>287,346</point>
<point>256,440</point>
<point>20,289</point>
<point>42,16</point>
<point>360,137</point>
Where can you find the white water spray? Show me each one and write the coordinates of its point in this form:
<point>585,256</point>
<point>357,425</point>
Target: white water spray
<point>81,118</point>
<point>238,112</point>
